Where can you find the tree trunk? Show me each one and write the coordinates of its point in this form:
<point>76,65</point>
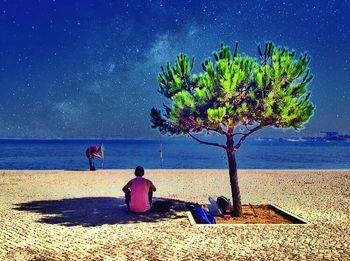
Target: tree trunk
<point>236,196</point>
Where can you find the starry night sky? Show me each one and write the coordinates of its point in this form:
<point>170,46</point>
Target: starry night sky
<point>88,68</point>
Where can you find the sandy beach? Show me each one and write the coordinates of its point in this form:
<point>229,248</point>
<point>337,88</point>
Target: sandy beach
<point>80,215</point>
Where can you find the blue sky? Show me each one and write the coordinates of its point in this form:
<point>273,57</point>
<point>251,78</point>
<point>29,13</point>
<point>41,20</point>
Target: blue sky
<point>88,68</point>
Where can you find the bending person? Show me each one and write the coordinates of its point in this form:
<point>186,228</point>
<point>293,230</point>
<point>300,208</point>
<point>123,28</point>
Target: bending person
<point>91,153</point>
<point>139,192</point>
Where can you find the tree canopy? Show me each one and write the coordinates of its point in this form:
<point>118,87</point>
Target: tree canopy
<point>233,90</point>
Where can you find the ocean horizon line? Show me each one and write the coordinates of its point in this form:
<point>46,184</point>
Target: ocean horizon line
<point>178,153</point>
<point>74,139</point>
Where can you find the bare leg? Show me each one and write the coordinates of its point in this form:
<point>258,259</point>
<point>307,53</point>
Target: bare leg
<point>91,163</point>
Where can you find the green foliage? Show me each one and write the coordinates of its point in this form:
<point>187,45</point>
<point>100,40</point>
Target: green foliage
<point>202,96</point>
<point>235,89</point>
<point>183,99</point>
<point>177,78</point>
<point>216,115</point>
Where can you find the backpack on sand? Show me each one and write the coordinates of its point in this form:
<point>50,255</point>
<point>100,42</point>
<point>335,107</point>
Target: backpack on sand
<point>224,205</point>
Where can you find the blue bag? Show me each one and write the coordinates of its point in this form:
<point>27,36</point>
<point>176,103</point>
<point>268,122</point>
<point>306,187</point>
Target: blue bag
<point>202,216</point>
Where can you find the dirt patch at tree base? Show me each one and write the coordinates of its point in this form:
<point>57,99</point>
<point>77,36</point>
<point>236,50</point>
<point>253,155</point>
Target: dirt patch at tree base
<point>256,214</point>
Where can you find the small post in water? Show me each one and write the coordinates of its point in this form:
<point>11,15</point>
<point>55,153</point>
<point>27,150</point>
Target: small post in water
<point>161,155</point>
<point>102,155</point>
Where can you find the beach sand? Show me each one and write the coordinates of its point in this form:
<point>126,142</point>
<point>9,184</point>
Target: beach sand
<point>80,215</point>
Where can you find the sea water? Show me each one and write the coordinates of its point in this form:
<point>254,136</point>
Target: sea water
<point>177,154</point>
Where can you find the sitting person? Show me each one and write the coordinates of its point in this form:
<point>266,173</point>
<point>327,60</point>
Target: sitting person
<point>139,192</point>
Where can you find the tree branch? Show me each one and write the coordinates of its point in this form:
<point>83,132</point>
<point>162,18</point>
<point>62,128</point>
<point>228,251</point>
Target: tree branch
<point>236,147</point>
<point>247,127</point>
<point>219,129</point>
<point>206,143</point>
<point>238,133</point>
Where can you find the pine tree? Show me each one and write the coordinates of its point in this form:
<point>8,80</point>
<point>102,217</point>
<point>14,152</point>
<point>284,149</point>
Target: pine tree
<point>235,90</point>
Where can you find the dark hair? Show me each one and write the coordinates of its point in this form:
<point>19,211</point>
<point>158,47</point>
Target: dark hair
<point>139,171</point>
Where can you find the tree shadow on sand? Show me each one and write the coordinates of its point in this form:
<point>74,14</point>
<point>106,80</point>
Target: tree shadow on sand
<point>96,211</point>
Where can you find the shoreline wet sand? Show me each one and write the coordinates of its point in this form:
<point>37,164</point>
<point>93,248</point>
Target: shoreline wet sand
<point>80,215</point>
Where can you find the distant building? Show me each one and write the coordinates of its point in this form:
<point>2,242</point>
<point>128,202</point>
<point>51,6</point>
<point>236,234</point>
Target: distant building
<point>333,135</point>
<point>330,134</point>
<point>328,137</point>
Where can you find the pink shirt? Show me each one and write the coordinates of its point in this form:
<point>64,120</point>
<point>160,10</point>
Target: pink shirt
<point>90,152</point>
<point>139,195</point>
